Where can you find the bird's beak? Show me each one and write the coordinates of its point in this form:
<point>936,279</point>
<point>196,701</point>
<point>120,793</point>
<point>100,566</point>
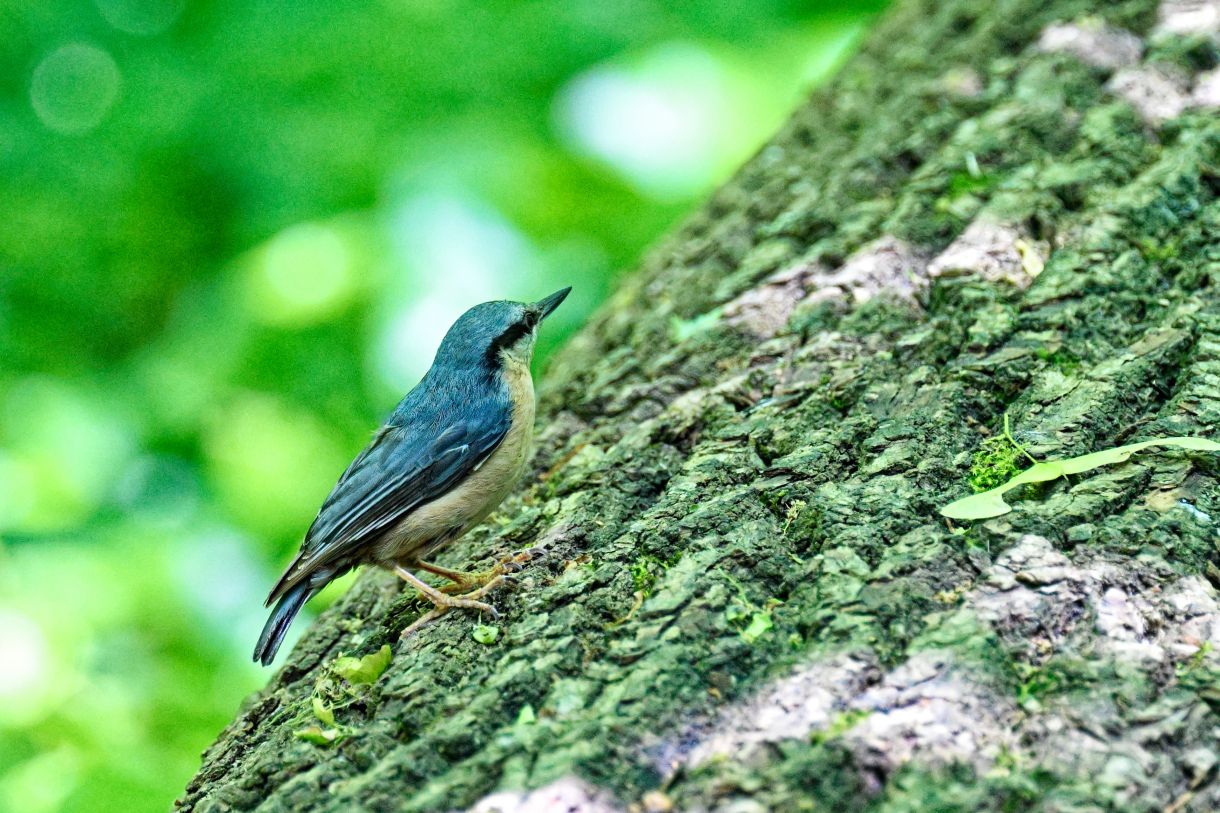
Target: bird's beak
<point>543,307</point>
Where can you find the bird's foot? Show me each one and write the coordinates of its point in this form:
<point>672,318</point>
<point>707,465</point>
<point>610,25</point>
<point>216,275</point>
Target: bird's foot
<point>461,578</point>
<point>443,602</point>
<point>421,622</point>
<point>519,560</point>
<point>467,582</point>
<point>474,582</point>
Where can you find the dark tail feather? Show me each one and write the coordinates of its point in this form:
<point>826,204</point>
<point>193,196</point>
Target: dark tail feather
<point>281,618</point>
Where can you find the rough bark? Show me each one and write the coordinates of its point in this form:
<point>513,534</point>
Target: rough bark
<point>743,597</point>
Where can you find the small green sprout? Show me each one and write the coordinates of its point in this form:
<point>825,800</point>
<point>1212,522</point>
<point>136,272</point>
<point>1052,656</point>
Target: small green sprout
<point>647,569</point>
<point>760,625</point>
<point>753,621</point>
<point>362,670</point>
<point>794,511</point>
<point>327,733</point>
<point>318,736</point>
<point>485,633</point>
<point>642,577</point>
<point>347,680</point>
<point>996,461</point>
<point>322,711</point>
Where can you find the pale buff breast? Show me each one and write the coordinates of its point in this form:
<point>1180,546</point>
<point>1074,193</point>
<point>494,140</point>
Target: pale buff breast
<point>448,517</point>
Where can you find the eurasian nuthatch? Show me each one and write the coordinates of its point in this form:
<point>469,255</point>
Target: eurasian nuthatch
<point>450,452</point>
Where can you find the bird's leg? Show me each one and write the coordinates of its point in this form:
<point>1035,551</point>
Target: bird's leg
<point>518,560</point>
<point>442,602</point>
<point>440,599</point>
<point>470,584</point>
<point>461,579</point>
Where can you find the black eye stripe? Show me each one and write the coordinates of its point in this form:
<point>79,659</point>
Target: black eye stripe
<point>511,335</point>
<point>508,338</point>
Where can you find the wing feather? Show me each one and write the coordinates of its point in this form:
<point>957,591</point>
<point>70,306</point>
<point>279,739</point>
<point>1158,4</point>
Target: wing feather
<point>402,468</point>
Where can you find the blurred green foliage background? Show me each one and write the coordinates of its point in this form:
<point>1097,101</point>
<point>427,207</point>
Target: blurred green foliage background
<point>231,236</point>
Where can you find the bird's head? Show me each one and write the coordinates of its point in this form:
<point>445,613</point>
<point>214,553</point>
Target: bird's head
<point>492,333</point>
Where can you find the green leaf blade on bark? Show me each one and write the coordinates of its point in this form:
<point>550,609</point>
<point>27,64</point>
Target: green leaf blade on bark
<point>988,504</point>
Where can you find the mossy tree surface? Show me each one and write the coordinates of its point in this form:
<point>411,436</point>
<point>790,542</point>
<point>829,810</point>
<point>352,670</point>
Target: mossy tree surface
<point>742,596</point>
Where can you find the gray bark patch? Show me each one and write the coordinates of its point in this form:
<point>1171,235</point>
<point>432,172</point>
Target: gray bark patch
<point>933,711</point>
<point>993,251</point>
<point>567,795</point>
<point>1157,93</point>
<point>885,267</point>
<point>1189,17</point>
<point>792,707</point>
<point>1206,92</point>
<point>1039,597</point>
<point>764,310</point>
<point>1094,43</point>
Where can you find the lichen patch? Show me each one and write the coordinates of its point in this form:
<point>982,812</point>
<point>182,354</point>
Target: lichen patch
<point>885,266</point>
<point>1206,92</point>
<point>1093,43</point>
<point>1157,94</point>
<point>931,710</point>
<point>1189,17</point>
<point>1190,615</point>
<point>1032,592</point>
<point>928,709</point>
<point>764,310</point>
<point>567,795</point>
<point>790,708</point>
<point>1036,595</point>
<point>994,251</point>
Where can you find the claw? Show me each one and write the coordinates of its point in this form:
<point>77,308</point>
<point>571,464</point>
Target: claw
<point>421,622</point>
<point>444,602</point>
<point>518,560</point>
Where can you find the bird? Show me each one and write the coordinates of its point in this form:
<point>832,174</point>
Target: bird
<point>449,453</point>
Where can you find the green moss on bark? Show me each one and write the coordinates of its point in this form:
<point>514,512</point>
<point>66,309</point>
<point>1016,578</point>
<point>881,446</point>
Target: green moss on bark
<point>694,477</point>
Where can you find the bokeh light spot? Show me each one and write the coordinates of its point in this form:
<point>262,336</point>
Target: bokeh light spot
<point>271,464</point>
<point>64,448</point>
<point>302,275</point>
<point>42,783</point>
<point>659,121</point>
<point>74,87</point>
<point>23,651</point>
<point>142,17</point>
<point>216,572</point>
<point>17,491</point>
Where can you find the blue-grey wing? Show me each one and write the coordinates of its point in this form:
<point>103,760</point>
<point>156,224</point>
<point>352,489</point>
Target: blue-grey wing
<point>403,467</point>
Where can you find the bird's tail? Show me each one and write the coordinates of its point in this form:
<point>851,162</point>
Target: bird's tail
<point>277,625</point>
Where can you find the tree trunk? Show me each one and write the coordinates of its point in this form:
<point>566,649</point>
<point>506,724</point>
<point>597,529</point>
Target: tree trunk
<point>743,597</point>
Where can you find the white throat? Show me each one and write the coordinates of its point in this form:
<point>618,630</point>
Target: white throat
<point>519,353</point>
